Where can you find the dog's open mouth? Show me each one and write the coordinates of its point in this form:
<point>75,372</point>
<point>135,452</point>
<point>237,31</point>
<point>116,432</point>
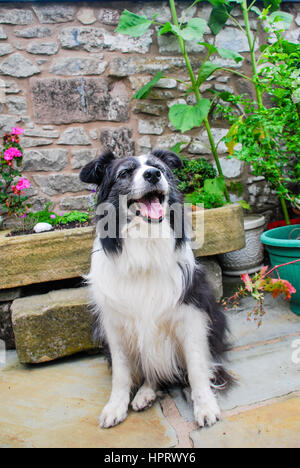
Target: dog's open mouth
<point>149,207</point>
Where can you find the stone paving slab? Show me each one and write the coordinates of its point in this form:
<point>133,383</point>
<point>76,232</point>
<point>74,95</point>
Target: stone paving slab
<point>262,372</point>
<point>276,425</point>
<point>58,404</point>
<point>278,321</point>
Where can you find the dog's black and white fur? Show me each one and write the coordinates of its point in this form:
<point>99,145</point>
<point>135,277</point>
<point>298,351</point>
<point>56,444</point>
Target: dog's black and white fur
<point>154,307</point>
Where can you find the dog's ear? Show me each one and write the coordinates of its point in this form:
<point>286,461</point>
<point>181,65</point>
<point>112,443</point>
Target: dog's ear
<point>93,172</point>
<point>169,158</point>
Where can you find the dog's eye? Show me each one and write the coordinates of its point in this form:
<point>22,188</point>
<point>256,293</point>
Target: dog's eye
<point>123,174</point>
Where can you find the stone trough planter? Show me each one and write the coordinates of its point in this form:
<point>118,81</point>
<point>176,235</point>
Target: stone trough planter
<point>58,255</point>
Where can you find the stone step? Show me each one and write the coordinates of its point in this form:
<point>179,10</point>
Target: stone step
<point>53,325</point>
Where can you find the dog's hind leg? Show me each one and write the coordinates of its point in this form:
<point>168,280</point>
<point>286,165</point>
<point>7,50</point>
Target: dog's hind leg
<point>117,408</point>
<point>144,398</point>
<point>193,336</point>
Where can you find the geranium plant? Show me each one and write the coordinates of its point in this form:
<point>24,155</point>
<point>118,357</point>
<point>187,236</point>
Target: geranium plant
<point>12,184</point>
<point>257,286</point>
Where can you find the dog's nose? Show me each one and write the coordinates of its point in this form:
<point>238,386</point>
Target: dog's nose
<point>152,175</point>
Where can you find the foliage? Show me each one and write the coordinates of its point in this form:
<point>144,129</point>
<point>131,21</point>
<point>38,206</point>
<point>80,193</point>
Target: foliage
<point>269,135</point>
<point>12,184</point>
<point>50,217</point>
<point>256,286</point>
<point>207,199</point>
<point>193,174</point>
<point>184,117</point>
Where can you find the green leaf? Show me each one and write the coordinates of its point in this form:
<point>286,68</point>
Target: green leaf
<point>256,10</point>
<point>194,29</point>
<point>219,17</point>
<point>145,90</point>
<point>244,205</point>
<point>185,117</point>
<point>272,4</point>
<point>215,186</point>
<point>211,48</point>
<point>177,148</point>
<point>230,54</point>
<point>207,69</point>
<point>169,28</point>
<point>284,18</point>
<point>132,24</point>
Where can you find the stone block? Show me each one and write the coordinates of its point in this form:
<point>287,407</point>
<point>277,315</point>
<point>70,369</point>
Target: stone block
<point>43,48</point>
<point>45,159</point>
<point>34,32</point>
<point>39,258</point>
<point>5,49</point>
<point>15,16</point>
<point>109,16</point>
<point>53,325</point>
<point>74,136</point>
<point>16,105</point>
<point>118,140</point>
<point>80,203</point>
<point>82,157</point>
<point>58,100</point>
<point>57,13</point>
<point>6,330</point>
<point>151,127</point>
<point>18,66</point>
<point>60,183</point>
<point>79,66</point>
<point>86,16</point>
<point>95,39</point>
<point>3,34</point>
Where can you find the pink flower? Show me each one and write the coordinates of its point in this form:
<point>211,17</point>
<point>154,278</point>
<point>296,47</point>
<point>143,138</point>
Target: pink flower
<point>17,131</point>
<point>12,153</point>
<point>53,216</point>
<point>22,184</point>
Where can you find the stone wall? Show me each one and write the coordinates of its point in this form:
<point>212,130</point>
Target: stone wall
<point>67,78</point>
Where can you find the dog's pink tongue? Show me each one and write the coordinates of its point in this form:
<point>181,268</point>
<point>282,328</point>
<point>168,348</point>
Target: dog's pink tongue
<point>151,209</point>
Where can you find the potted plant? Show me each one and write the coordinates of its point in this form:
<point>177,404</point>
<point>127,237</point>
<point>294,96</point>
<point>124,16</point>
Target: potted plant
<point>283,246</point>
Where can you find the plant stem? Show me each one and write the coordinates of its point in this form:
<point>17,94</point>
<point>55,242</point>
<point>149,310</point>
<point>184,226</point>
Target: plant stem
<point>198,97</point>
<point>258,91</point>
<point>285,211</point>
<point>279,266</point>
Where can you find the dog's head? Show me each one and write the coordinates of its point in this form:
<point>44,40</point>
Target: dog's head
<point>146,181</point>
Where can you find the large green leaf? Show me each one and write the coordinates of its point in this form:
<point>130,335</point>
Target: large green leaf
<point>230,54</point>
<point>145,90</point>
<point>132,24</point>
<point>207,69</point>
<point>284,18</point>
<point>194,29</point>
<point>215,186</point>
<point>219,17</point>
<point>185,117</point>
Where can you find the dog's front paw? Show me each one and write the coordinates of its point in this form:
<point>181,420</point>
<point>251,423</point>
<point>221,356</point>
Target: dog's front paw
<point>206,410</point>
<point>112,415</point>
<point>144,398</point>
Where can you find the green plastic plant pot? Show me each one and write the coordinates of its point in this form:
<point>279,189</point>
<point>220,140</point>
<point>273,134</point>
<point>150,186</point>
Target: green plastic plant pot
<point>283,245</point>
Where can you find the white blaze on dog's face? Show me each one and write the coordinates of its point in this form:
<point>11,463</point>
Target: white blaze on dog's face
<point>149,189</point>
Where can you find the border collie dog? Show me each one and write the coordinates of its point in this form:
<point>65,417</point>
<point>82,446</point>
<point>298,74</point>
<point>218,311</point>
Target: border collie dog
<point>153,306</point>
